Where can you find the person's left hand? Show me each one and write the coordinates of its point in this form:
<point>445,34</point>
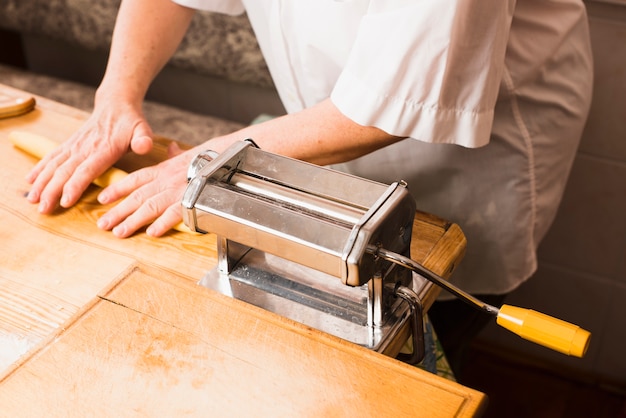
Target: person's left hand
<point>151,195</point>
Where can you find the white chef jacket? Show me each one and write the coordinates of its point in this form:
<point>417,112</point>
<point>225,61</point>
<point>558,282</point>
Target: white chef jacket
<point>492,96</point>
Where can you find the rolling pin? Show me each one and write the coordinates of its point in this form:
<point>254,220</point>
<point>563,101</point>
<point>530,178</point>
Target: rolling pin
<point>39,146</point>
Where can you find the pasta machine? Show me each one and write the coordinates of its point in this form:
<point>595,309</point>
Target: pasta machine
<point>329,250</point>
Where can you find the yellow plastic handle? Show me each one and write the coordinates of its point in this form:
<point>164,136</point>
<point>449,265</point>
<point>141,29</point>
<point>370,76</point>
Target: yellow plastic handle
<point>39,146</point>
<point>545,330</point>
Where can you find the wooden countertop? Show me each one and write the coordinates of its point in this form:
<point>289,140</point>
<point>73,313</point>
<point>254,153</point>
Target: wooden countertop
<point>120,328</point>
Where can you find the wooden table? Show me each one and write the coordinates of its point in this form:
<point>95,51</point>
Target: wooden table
<point>119,327</point>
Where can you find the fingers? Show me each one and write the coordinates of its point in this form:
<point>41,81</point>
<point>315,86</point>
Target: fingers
<point>141,141</point>
<point>36,171</point>
<point>62,176</point>
<point>170,218</point>
<point>39,177</point>
<point>63,179</point>
<point>139,207</point>
<point>59,178</point>
<point>76,182</point>
<point>134,212</point>
<point>127,185</point>
<point>173,149</point>
<point>151,194</point>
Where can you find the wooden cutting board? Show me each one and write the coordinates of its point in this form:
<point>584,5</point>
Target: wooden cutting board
<point>120,328</point>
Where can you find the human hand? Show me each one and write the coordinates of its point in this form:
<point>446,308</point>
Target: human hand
<point>151,194</point>
<point>63,175</point>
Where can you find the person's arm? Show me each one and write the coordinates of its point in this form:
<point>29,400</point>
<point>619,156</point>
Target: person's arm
<point>146,34</point>
<point>320,134</point>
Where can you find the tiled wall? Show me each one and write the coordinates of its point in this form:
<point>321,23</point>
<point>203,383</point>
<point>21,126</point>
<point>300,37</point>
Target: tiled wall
<point>582,272</point>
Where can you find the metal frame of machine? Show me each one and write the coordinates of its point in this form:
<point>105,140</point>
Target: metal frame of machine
<point>293,238</point>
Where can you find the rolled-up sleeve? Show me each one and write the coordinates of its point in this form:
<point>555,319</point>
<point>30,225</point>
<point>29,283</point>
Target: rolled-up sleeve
<point>429,70</point>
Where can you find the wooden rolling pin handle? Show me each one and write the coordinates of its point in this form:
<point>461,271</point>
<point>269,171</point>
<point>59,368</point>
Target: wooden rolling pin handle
<point>12,107</point>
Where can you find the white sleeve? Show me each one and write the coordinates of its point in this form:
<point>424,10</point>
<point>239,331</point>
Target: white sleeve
<point>231,7</point>
<point>429,70</point>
